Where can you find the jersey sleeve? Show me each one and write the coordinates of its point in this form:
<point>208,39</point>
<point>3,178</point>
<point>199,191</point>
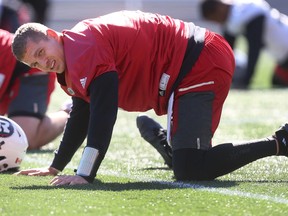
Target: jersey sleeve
<point>95,119</point>
<point>103,114</point>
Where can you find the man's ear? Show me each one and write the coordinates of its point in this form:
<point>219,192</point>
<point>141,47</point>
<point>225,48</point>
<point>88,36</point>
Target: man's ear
<point>52,33</point>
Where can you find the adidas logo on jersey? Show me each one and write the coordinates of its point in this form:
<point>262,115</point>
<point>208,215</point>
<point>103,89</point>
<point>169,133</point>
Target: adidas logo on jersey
<point>83,82</point>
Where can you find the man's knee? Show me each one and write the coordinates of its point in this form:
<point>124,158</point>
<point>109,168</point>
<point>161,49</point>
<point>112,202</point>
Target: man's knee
<point>189,165</point>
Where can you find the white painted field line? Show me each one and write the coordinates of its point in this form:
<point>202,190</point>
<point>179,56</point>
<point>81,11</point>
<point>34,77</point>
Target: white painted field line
<point>204,188</point>
<point>224,191</point>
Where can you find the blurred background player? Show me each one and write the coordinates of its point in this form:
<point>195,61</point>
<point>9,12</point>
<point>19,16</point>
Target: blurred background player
<point>25,92</point>
<point>261,25</point>
<point>39,9</point>
<point>14,13</point>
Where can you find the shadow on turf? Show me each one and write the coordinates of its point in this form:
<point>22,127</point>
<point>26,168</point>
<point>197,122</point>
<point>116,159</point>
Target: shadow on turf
<point>40,151</point>
<point>153,185</point>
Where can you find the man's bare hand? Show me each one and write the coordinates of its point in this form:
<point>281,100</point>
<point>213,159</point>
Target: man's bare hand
<point>38,172</point>
<point>68,180</point>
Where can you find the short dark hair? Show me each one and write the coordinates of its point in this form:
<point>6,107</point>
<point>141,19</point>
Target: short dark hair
<point>32,31</point>
<point>208,7</point>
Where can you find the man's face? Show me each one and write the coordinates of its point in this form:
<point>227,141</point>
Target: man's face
<point>47,55</point>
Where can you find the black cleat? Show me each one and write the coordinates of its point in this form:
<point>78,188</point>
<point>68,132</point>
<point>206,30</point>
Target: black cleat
<point>281,135</point>
<point>154,134</point>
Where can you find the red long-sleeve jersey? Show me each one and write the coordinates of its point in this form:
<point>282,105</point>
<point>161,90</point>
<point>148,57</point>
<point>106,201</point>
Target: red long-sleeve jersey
<point>140,47</point>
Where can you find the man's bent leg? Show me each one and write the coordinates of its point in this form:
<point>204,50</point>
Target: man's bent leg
<point>197,164</point>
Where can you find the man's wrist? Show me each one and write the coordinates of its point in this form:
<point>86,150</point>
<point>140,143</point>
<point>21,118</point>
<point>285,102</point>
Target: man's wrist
<point>53,170</point>
<point>87,162</point>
